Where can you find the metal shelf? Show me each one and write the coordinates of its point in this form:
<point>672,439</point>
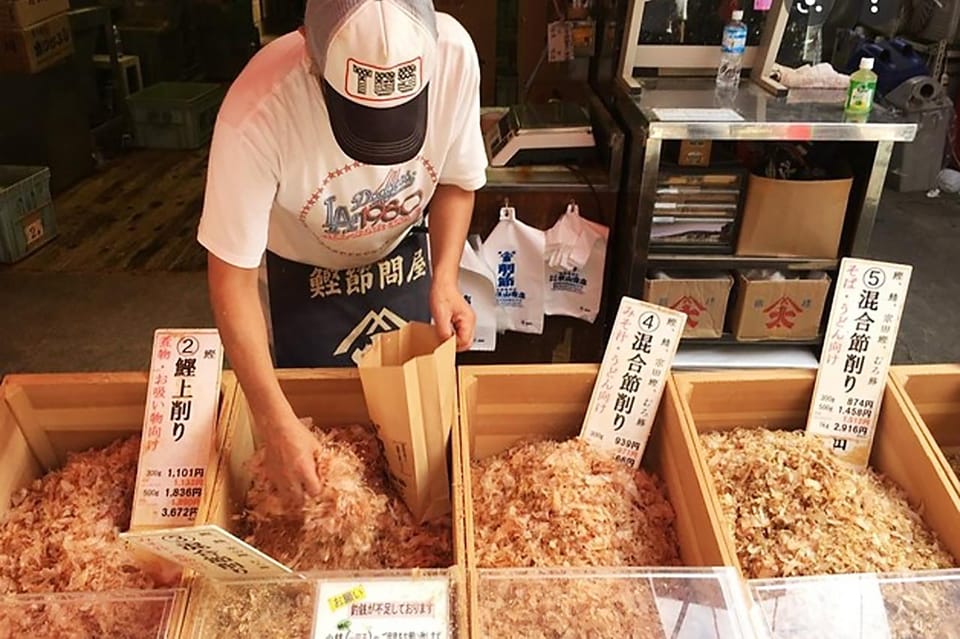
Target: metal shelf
<point>707,261</point>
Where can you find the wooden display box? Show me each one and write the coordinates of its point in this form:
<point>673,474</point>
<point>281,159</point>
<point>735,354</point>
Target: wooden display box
<point>45,417</point>
<point>501,406</point>
<point>329,396</point>
<point>793,218</point>
<point>932,395</point>
<point>780,400</point>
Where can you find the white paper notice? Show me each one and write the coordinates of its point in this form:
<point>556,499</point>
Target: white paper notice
<point>697,115</point>
<point>632,377</point>
<point>861,336</point>
<point>179,427</point>
<point>383,608</point>
<point>210,551</point>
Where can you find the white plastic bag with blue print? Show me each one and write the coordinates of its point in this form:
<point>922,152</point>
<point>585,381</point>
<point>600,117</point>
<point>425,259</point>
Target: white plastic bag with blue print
<point>514,251</point>
<point>576,252</point>
<point>478,285</point>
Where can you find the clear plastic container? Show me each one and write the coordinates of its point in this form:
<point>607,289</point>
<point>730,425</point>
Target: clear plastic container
<point>700,603</point>
<point>305,606</point>
<point>732,48</point>
<point>890,606</point>
<point>134,614</point>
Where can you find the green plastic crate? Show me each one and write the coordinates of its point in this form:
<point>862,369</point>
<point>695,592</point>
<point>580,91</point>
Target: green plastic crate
<point>175,115</point>
<point>27,219</point>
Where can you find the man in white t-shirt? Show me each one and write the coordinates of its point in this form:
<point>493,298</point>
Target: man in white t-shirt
<point>327,150</point>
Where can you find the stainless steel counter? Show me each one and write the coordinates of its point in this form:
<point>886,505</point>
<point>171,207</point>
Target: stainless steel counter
<point>803,115</point>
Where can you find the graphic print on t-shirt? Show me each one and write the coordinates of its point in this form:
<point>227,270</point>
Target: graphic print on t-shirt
<point>339,211</point>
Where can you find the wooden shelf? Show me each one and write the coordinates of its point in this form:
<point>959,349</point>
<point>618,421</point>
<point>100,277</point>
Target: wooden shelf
<point>730,340</point>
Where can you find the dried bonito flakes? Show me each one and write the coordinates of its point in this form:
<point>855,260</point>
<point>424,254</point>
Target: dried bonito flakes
<point>585,608</point>
<point>61,535</point>
<point>278,610</point>
<point>547,504</point>
<point>356,522</point>
<point>794,510</point>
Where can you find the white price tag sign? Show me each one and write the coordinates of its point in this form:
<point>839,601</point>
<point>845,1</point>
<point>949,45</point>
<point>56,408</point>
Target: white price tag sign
<point>210,551</point>
<point>632,378</point>
<point>860,340</point>
<point>179,427</point>
<point>384,609</point>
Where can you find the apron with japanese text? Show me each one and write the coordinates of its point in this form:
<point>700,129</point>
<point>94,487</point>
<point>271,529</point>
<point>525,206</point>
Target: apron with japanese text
<point>325,318</point>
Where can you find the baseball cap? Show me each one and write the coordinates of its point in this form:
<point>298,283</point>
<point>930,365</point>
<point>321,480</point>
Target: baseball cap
<point>376,59</point>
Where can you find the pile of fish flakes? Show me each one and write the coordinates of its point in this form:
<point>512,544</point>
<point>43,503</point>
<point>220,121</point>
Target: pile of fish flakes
<point>548,504</point>
<point>358,521</point>
<point>60,535</point>
<point>794,510</point>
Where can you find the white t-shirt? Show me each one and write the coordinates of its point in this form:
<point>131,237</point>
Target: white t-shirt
<point>278,180</point>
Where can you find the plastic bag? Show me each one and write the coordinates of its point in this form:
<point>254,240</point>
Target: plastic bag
<point>515,251</point>
<point>478,285</point>
<point>575,257</point>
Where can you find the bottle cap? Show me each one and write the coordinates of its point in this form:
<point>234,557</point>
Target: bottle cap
<point>738,15</point>
<point>866,63</point>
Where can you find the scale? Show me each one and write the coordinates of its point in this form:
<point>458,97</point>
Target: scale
<point>552,133</point>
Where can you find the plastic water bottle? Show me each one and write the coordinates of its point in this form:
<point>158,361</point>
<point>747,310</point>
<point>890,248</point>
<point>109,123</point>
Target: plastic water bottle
<point>731,52</point>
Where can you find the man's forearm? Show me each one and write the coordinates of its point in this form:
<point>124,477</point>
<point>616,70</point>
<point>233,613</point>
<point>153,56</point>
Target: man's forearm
<point>239,318</point>
<point>451,210</point>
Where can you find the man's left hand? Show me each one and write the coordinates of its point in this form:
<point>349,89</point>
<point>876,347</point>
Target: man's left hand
<point>452,314</point>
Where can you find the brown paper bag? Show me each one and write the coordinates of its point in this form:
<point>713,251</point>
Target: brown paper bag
<point>409,383</point>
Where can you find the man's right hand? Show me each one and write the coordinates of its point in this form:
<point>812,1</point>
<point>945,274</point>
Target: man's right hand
<point>291,462</point>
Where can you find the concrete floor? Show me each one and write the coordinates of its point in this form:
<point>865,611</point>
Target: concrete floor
<point>62,322</point>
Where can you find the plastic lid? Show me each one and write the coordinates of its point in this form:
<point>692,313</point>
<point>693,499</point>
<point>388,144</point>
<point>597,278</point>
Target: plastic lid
<point>866,63</point>
<point>738,15</point>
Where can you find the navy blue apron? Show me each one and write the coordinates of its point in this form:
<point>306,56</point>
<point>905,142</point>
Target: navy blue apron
<point>324,318</point>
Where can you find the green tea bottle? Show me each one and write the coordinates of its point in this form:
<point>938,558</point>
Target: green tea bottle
<point>863,86</point>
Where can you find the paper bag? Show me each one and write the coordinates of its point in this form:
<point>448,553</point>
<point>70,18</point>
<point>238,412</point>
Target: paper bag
<point>409,384</point>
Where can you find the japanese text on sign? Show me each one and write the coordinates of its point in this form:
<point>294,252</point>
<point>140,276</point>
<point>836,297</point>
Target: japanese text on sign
<point>179,427</point>
<point>210,551</point>
<point>861,336</point>
<point>632,378</point>
<point>388,608</point>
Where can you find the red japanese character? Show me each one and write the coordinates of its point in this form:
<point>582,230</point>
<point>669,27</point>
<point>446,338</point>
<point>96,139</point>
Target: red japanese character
<point>692,307</point>
<point>783,313</point>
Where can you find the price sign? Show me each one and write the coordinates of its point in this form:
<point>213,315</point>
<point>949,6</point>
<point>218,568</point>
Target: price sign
<point>632,377</point>
<point>384,608</point>
<point>861,335</point>
<point>210,551</point>
<point>179,427</point>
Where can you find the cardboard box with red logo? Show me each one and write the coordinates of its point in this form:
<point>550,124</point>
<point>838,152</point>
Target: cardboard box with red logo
<point>20,14</point>
<point>703,297</point>
<point>772,306</point>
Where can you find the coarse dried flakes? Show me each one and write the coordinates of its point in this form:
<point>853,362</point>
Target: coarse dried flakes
<point>279,610</point>
<point>61,534</point>
<point>356,522</point>
<point>548,504</point>
<point>794,510</point>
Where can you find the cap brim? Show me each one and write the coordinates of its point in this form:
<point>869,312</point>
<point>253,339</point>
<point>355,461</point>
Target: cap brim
<point>378,136</point>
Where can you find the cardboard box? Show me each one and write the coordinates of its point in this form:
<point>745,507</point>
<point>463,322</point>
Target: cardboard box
<point>43,418</point>
<point>330,396</point>
<point>695,152</point>
<point>782,310</point>
<point>931,394</point>
<point>780,400</point>
<point>703,299</point>
<point>37,47</point>
<point>20,14</point>
<point>787,218</point>
<point>503,405</point>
